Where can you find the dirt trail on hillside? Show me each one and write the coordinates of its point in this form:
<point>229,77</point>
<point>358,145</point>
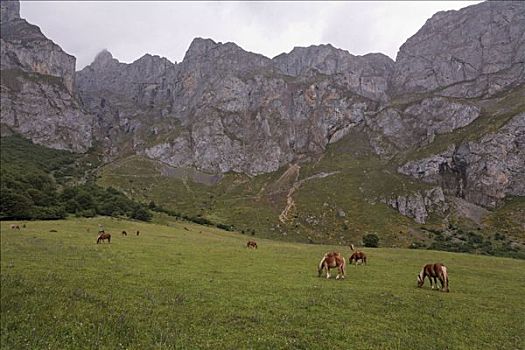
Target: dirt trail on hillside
<point>290,203</point>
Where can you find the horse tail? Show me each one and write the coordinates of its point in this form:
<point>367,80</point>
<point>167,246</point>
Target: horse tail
<point>445,278</point>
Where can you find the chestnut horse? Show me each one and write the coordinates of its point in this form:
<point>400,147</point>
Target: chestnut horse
<point>434,271</point>
<point>103,236</point>
<point>331,260</point>
<point>357,256</point>
<point>251,244</point>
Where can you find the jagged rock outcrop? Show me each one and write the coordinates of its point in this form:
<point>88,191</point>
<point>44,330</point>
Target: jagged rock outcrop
<point>476,51</point>
<point>483,172</point>
<point>418,124</point>
<point>36,91</point>
<point>222,109</point>
<point>366,75</point>
<point>419,205</point>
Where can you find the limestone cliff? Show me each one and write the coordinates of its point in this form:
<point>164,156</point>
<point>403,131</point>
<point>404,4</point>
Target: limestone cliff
<point>37,79</point>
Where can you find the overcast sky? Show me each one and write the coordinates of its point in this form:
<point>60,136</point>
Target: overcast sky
<point>131,29</point>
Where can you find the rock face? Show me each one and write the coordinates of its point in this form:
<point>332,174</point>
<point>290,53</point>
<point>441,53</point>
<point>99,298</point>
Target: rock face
<point>419,205</point>
<point>473,52</point>
<point>482,172</point>
<point>9,10</point>
<point>37,98</point>
<point>224,109</point>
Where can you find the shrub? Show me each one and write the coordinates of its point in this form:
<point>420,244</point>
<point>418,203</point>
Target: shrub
<point>371,240</point>
<point>142,214</point>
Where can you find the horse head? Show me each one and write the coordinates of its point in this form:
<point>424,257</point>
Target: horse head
<point>420,279</point>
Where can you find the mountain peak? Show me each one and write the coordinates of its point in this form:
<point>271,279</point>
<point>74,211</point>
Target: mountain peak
<point>200,46</point>
<point>103,59</point>
<point>104,55</point>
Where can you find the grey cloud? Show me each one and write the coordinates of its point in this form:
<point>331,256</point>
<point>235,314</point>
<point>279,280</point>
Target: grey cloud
<point>131,29</point>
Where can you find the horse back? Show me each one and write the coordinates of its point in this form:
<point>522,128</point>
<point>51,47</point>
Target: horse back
<point>434,270</point>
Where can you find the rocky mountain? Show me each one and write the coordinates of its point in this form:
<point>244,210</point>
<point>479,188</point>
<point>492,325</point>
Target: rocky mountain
<point>37,87</point>
<point>475,52</point>
<point>444,121</point>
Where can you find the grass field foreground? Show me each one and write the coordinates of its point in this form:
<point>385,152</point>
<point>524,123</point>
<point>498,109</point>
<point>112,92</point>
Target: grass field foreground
<point>188,286</point>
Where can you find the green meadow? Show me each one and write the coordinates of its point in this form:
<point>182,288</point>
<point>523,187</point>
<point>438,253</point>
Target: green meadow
<point>186,286</point>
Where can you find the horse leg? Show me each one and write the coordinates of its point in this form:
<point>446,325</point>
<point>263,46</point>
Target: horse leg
<point>327,272</point>
<point>442,281</point>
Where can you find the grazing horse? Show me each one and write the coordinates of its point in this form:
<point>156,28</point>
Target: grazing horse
<point>357,256</point>
<point>331,260</point>
<point>103,236</point>
<point>124,233</point>
<point>251,244</point>
<point>15,227</point>
<point>434,271</point>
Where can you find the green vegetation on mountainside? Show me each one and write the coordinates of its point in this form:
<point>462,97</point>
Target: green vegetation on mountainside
<point>359,183</point>
<point>42,183</point>
<point>338,208</point>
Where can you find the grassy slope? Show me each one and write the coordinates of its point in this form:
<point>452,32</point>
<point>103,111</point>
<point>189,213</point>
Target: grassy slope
<point>173,288</point>
<point>255,203</point>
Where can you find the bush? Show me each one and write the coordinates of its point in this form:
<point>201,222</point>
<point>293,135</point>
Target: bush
<point>225,227</point>
<point>141,214</point>
<point>371,240</point>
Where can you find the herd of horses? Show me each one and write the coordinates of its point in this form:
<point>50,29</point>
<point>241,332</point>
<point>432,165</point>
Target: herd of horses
<point>334,260</point>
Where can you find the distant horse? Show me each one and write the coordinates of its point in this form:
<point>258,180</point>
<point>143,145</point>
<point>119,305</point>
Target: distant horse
<point>356,257</point>
<point>434,271</point>
<point>103,236</point>
<point>331,260</point>
<point>15,227</point>
<point>124,233</point>
<point>138,232</point>
<point>251,244</point>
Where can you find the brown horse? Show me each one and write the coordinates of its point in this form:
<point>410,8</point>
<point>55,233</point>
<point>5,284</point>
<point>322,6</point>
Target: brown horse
<point>251,244</point>
<point>434,271</point>
<point>103,236</point>
<point>331,260</point>
<point>124,233</point>
<point>357,256</point>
